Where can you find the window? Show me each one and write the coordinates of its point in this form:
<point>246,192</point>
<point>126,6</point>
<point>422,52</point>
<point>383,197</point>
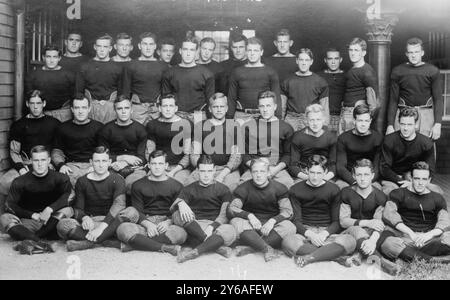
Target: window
<point>446,79</point>
<point>221,38</point>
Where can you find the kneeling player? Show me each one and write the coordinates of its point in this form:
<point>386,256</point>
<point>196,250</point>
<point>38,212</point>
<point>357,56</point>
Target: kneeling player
<point>99,197</point>
<point>261,211</point>
<point>316,216</point>
<point>201,209</point>
<point>151,227</point>
<point>361,214</point>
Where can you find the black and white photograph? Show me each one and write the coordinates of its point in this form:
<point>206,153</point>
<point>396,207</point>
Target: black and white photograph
<point>209,142</point>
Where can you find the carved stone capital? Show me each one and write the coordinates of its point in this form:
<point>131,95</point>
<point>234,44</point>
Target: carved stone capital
<point>381,30</point>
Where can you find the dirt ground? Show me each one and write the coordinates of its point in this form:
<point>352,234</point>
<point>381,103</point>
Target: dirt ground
<point>107,263</point>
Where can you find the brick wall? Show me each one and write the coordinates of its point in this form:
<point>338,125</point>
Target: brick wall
<point>443,150</point>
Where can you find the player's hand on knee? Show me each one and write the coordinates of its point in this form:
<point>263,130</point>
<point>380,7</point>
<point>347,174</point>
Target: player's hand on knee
<point>315,238</point>
<point>45,215</point>
<point>87,223</point>
<point>152,230</point>
<point>187,215</point>
<point>94,234</point>
<point>267,227</point>
<point>256,224</point>
<point>163,226</point>
<point>65,170</point>
<point>368,247</point>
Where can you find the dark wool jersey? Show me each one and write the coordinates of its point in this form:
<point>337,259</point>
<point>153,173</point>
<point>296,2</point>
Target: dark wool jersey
<point>302,91</point>
<point>352,147</point>
<point>279,132</point>
<point>57,86</point>
<point>144,79</point>
<point>303,146</point>
<point>192,86</point>
<point>228,66</point>
<point>154,198</point>
<point>162,134</point>
<point>218,140</point>
<point>77,141</point>
<point>31,194</point>
<point>262,202</point>
<point>100,78</point>
<point>336,87</point>
<point>418,212</point>
<point>205,201</point>
<point>315,206</point>
<point>398,155</point>
<point>95,198</point>
<point>124,140</point>
<point>416,85</point>
<point>216,69</point>
<point>357,80</point>
<point>284,66</point>
<point>73,64</point>
<point>30,132</point>
<point>362,209</point>
<point>247,82</point>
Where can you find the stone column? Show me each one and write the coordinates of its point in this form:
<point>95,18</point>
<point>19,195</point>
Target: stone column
<point>379,38</point>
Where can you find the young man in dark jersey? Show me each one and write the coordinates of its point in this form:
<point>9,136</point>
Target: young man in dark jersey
<point>302,89</point>
<point>417,84</point>
<point>166,50</point>
<point>205,58</point>
<point>361,84</point>
<point>55,83</point>
<point>99,80</point>
<point>238,57</point>
<point>123,47</point>
<point>72,59</point>
<point>335,78</point>
<point>142,80</point>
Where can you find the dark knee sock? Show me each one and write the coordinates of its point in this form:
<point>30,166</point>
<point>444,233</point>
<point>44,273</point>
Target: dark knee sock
<point>77,233</point>
<point>210,244</point>
<point>252,239</point>
<point>383,236</point>
<point>163,239</point>
<point>328,252</point>
<point>49,230</point>
<point>110,231</point>
<point>20,233</point>
<point>435,248</point>
<point>273,239</point>
<point>144,243</point>
<point>409,253</point>
<point>306,248</point>
<point>194,230</point>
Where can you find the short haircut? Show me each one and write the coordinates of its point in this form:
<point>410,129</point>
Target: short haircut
<point>167,96</point>
<point>332,49</point>
<point>409,112</point>
<point>39,149</point>
<point>124,36</point>
<point>360,42</point>
<point>148,35</point>
<point>267,94</point>
<point>420,165</point>
<point>363,163</point>
<point>105,37</point>
<point>255,41</point>
<point>307,51</point>
<point>217,96</point>
<point>74,32</point>
<point>120,99</point>
<point>205,159</point>
<point>100,150</point>
<point>35,93</point>
<point>208,40</point>
<point>314,108</point>
<point>282,32</point>
<point>317,160</point>
<point>51,48</point>
<point>414,41</point>
<point>190,38</point>
<point>157,153</point>
<point>166,41</point>
<point>80,98</point>
<point>361,109</point>
<point>257,161</point>
<point>236,38</point>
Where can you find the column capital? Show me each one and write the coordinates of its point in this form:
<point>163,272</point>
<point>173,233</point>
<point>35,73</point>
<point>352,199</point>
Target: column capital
<point>381,30</point>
